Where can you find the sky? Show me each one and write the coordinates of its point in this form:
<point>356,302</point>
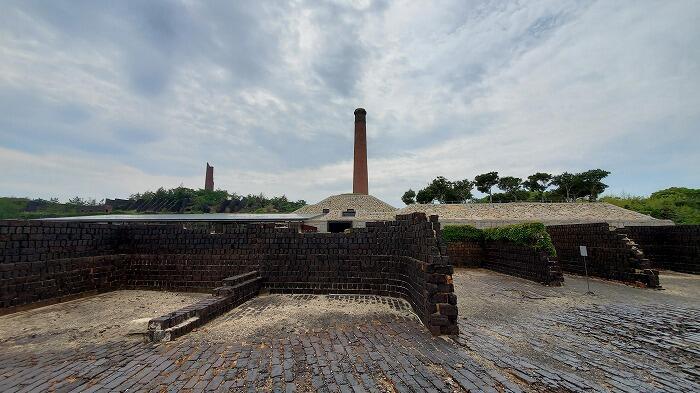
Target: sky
<point>103,99</point>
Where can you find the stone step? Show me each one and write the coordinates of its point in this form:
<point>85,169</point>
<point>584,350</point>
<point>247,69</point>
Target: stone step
<point>175,324</point>
<point>176,331</point>
<point>234,280</point>
<point>226,290</point>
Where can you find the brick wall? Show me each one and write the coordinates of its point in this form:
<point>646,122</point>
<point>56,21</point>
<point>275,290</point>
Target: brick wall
<point>668,247</point>
<point>522,261</point>
<point>46,262</point>
<point>192,259</point>
<point>403,258</point>
<point>466,253</point>
<point>611,255</point>
<point>508,258</point>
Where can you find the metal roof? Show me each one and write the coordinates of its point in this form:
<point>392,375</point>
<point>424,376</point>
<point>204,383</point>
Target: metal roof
<point>211,217</point>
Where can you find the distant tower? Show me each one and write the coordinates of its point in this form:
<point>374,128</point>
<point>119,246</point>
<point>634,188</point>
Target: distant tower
<point>209,179</point>
<point>359,176</point>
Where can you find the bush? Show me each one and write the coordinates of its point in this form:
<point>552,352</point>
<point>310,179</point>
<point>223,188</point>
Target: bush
<point>682,205</point>
<point>533,235</point>
<point>460,233</point>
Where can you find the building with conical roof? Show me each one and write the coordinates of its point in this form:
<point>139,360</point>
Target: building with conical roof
<point>344,211</point>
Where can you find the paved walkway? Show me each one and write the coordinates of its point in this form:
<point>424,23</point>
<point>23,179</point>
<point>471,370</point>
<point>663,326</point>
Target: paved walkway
<point>515,336</point>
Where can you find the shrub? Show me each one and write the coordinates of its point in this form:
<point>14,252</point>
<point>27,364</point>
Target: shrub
<point>533,235</point>
<point>530,234</point>
<point>682,205</point>
<point>459,233</point>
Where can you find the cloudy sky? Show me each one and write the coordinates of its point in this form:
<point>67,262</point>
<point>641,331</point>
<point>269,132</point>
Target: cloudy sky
<point>104,99</point>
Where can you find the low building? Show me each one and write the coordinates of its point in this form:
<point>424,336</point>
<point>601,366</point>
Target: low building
<point>344,211</point>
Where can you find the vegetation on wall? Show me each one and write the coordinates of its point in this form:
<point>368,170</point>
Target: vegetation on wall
<point>682,205</point>
<point>539,187</point>
<point>459,233</point>
<point>532,235</point>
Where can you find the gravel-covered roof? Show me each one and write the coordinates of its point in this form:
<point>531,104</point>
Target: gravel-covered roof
<point>548,213</point>
<point>205,217</point>
<point>366,207</point>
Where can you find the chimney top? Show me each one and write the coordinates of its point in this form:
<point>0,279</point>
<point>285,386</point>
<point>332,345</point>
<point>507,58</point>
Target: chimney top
<point>360,114</point>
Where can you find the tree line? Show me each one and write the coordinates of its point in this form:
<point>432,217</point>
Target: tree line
<point>541,186</point>
<point>205,201</point>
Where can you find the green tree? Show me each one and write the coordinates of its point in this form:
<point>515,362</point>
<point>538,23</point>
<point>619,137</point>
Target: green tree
<point>591,183</point>
<point>461,191</point>
<point>409,197</point>
<point>77,201</point>
<point>425,196</point>
<point>510,185</point>
<point>485,182</point>
<point>565,183</point>
<point>445,191</point>
<point>538,183</point>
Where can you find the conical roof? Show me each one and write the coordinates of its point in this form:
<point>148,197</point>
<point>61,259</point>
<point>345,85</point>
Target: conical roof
<point>367,207</point>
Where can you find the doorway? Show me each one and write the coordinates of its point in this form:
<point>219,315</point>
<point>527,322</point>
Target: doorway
<point>339,226</point>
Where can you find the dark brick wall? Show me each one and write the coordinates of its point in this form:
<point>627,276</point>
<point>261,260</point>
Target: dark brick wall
<point>610,255</point>
<point>668,247</point>
<point>48,261</point>
<point>466,253</point>
<point>402,258</point>
<point>194,259</point>
<point>508,258</point>
<point>522,261</point>
<point>29,241</point>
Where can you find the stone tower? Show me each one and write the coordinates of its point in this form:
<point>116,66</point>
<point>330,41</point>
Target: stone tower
<point>209,179</point>
<point>359,176</point>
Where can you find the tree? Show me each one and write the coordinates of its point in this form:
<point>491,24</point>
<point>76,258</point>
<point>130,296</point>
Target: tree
<point>485,182</point>
<point>539,182</point>
<point>590,181</point>
<point>409,197</point>
<point>566,182</point>
<point>510,185</point>
<point>76,201</point>
<point>439,189</point>
<point>425,196</point>
<point>445,191</point>
<point>461,191</point>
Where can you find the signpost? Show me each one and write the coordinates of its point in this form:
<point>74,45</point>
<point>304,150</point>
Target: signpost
<point>584,254</point>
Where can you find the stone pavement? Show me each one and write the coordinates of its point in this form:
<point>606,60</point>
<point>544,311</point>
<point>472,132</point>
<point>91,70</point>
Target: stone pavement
<point>515,336</point>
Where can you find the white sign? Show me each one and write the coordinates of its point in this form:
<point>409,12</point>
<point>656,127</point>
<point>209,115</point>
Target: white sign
<point>584,252</point>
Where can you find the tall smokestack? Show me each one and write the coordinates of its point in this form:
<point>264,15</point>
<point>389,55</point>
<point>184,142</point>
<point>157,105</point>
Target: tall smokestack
<point>359,176</point>
<point>209,178</point>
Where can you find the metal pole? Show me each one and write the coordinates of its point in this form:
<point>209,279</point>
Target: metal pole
<point>588,284</point>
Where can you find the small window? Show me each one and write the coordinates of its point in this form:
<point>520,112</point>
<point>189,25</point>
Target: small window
<point>326,211</point>
<point>349,213</point>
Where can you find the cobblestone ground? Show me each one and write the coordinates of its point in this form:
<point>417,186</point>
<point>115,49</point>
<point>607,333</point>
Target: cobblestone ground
<point>516,336</point>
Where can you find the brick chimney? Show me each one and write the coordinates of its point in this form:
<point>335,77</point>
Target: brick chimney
<point>209,179</point>
<point>359,176</point>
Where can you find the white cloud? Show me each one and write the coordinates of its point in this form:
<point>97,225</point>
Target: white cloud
<point>266,94</point>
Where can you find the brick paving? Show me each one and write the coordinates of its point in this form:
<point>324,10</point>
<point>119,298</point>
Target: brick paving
<point>515,336</point>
